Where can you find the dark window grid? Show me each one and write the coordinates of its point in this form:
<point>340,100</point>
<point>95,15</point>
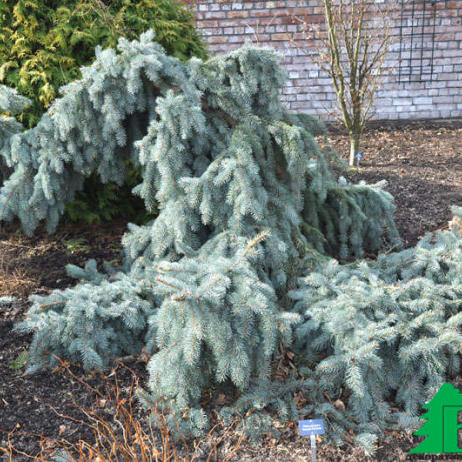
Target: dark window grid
<point>417,39</point>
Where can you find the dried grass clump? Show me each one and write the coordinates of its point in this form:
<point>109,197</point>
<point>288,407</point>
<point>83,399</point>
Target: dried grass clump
<point>119,432</point>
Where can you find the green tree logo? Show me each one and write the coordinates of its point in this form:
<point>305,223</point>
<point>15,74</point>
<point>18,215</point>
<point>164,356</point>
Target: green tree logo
<point>442,424</point>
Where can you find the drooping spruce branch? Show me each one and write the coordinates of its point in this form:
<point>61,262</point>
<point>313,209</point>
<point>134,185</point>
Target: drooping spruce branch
<point>244,193</point>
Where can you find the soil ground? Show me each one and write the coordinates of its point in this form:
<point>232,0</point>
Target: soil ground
<point>422,163</point>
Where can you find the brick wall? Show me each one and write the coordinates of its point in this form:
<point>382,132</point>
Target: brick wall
<point>426,84</point>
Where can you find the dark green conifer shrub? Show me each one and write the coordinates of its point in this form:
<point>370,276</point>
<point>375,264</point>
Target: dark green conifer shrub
<point>43,44</point>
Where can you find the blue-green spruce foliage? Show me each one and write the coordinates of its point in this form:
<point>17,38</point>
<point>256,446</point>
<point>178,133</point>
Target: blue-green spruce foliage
<point>385,331</point>
<point>247,204</point>
<point>10,104</point>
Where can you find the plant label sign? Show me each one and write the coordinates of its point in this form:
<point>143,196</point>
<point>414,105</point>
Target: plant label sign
<point>311,428</point>
<point>358,157</point>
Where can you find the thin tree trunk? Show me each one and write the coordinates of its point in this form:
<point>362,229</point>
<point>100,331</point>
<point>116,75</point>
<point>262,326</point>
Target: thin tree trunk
<point>354,147</point>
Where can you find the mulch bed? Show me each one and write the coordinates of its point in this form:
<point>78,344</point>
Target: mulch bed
<point>422,163</point>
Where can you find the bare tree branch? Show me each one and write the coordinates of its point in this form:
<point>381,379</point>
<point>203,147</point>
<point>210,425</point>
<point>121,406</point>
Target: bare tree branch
<point>352,54</point>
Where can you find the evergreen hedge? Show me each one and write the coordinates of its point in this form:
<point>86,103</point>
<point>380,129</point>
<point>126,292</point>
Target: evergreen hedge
<point>43,45</point>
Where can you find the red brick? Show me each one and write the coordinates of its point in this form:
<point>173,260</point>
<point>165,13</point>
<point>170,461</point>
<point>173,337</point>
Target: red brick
<point>303,11</point>
<point>315,19</point>
<point>238,14</point>
<point>218,39</point>
<point>262,38</point>
<point>214,15</point>
<point>289,20</point>
<point>279,37</point>
<point>231,23</point>
<point>262,13</point>
<point>204,24</point>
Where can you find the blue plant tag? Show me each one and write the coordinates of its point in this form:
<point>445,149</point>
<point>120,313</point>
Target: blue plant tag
<point>359,155</point>
<point>311,427</point>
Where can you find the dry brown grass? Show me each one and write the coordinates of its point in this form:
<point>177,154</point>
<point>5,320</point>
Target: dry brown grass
<point>120,433</point>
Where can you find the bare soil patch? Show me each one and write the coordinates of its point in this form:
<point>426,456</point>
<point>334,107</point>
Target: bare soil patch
<point>422,163</point>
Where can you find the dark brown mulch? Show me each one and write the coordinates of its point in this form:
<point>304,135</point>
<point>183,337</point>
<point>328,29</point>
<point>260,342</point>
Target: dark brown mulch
<point>422,163</point>
<point>46,404</point>
<point>37,265</point>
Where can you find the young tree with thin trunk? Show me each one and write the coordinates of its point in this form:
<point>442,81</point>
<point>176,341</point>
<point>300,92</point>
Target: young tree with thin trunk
<point>351,49</point>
